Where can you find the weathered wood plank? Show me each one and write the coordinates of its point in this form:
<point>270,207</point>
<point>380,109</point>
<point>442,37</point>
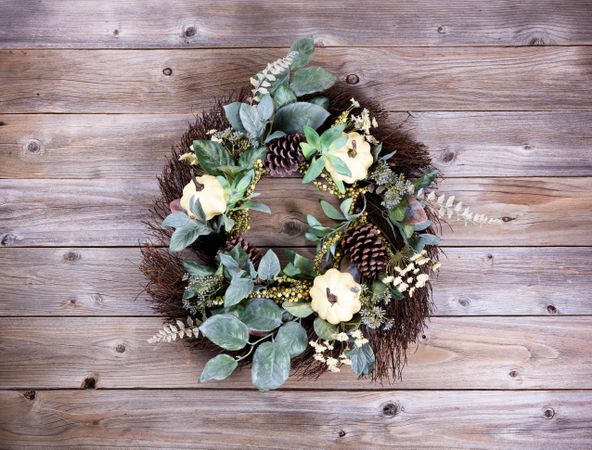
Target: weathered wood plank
<point>404,79</point>
<point>456,353</point>
<point>186,419</point>
<point>541,211</point>
<point>130,146</point>
<point>117,24</point>
<point>472,281</point>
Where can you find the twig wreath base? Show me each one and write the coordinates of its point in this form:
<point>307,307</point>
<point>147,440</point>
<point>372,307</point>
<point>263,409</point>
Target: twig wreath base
<point>366,296</point>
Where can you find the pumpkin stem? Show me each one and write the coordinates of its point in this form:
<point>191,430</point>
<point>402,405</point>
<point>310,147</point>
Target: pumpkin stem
<point>352,152</point>
<point>198,186</point>
<point>331,298</point>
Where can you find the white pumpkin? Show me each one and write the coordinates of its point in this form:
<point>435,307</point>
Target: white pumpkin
<point>356,155</point>
<point>335,296</point>
<point>211,196</point>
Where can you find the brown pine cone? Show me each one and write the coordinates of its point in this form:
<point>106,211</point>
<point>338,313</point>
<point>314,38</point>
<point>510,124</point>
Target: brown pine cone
<point>252,252</point>
<point>283,155</point>
<point>364,247</point>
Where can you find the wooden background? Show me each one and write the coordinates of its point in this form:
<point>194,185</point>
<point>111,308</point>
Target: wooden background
<point>93,94</point>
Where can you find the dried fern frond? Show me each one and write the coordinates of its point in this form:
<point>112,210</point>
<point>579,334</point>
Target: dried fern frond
<point>449,209</point>
<point>262,81</point>
<point>170,333</point>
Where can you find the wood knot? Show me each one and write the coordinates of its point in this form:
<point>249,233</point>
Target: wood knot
<point>536,41</point>
<point>71,256</point>
<point>116,32</point>
<point>30,395</point>
<point>2,123</point>
<point>189,31</point>
<point>7,239</point>
<point>448,157</point>
<point>513,374</point>
<point>32,146</point>
<point>441,30</point>
<point>551,309</point>
<point>120,348</point>
<point>508,219</point>
<point>391,409</point>
<point>527,147</point>
<point>167,71</point>
<point>549,413</point>
<point>490,256</point>
<point>89,383</point>
<point>352,78</point>
<point>320,44</point>
<point>464,302</point>
<point>292,227</point>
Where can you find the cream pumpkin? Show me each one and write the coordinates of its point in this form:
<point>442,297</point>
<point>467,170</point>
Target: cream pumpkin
<point>356,155</point>
<point>335,296</point>
<point>210,193</point>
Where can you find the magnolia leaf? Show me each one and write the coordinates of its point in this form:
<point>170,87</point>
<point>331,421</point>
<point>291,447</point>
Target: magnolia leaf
<point>248,158</point>
<point>271,366</point>
<point>293,117</point>
<point>196,209</point>
<point>298,309</point>
<point>330,211</point>
<point>262,314</point>
<point>309,80</point>
<point>265,107</point>
<point>251,120</point>
<point>218,368</point>
<point>322,101</point>
<point>226,331</point>
<point>292,336</point>
<point>269,266</point>
<point>305,48</point>
<point>418,243</point>
<point>275,135</point>
<point>325,330</point>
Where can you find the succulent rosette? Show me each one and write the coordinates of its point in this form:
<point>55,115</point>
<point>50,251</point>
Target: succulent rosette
<point>365,295</point>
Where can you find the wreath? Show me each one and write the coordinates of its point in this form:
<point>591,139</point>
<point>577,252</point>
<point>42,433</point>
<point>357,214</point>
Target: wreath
<point>365,296</point>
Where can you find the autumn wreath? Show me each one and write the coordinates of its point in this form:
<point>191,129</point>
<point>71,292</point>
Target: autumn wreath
<point>363,298</point>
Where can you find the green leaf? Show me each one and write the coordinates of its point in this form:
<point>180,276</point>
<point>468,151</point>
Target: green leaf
<point>307,149</point>
<point>232,114</point>
<point>331,212</point>
<point>338,143</point>
<point>339,166</point>
<point>210,155</point>
<point>283,96</point>
<point>314,170</point>
<point>313,222</point>
<point>304,265</point>
<point>226,331</point>
<point>176,220</point>
<point>346,205</point>
<point>254,206</point>
<point>322,101</point>
<point>187,235</point>
<point>292,337</point>
<point>312,137</point>
<point>269,266</point>
<point>248,158</point>
<point>325,330</point>
<point>274,135</point>
<point>265,107</point>
<point>196,209</point>
<point>229,263</point>
<point>298,309</point>
<point>242,184</point>
<point>305,48</point>
<point>398,213</point>
<point>196,269</point>
<point>362,359</point>
<point>293,117</point>
<point>271,366</point>
<point>218,368</point>
<point>418,243</point>
<point>252,121</point>
<point>228,223</point>
<point>426,180</point>
<point>230,171</point>
<point>309,80</point>
<point>340,186</point>
<point>238,290</point>
<point>332,134</point>
<point>262,314</point>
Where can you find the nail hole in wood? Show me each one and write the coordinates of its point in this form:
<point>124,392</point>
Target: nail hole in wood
<point>352,78</point>
<point>167,71</point>
<point>2,123</point>
<point>549,413</point>
<point>440,29</point>
<point>508,219</point>
<point>551,309</point>
<point>120,348</point>
<point>390,409</point>
<point>89,383</point>
<point>490,256</point>
<point>513,374</point>
<point>30,395</point>
<point>342,433</point>
<point>115,32</point>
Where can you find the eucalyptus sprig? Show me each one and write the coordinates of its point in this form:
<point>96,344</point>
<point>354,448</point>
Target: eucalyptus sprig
<point>317,231</point>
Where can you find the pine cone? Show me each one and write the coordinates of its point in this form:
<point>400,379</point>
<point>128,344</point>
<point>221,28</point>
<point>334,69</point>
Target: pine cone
<point>252,252</point>
<point>284,155</point>
<point>363,246</point>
